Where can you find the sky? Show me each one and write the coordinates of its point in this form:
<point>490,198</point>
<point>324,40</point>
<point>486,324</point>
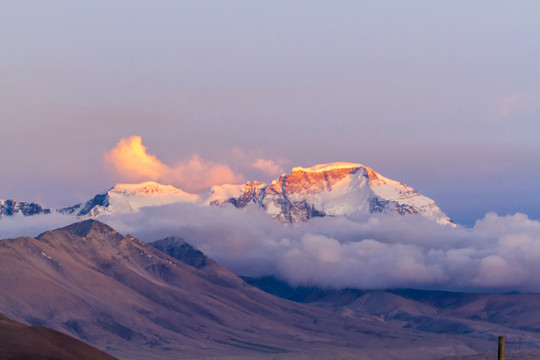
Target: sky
<point>442,96</point>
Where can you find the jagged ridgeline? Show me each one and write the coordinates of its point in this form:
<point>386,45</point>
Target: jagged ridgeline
<point>336,189</point>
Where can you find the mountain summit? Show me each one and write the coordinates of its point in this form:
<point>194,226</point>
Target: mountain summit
<point>334,189</point>
<point>124,198</point>
<point>329,189</point>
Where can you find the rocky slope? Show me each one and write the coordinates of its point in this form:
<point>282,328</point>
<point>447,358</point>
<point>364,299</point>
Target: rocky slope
<point>136,302</point>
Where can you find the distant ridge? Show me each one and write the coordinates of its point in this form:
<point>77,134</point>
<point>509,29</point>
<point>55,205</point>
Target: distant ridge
<point>13,207</point>
<point>334,189</point>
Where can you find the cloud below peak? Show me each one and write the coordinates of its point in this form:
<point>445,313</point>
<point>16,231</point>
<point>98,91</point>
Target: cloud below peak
<point>500,253</point>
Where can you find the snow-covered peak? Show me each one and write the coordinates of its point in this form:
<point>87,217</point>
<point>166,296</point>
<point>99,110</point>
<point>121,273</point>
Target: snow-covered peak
<point>147,188</point>
<point>328,167</point>
<point>148,193</point>
<point>124,198</point>
<point>333,189</point>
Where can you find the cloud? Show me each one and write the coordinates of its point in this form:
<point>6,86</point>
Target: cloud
<point>499,253</point>
<point>256,164</point>
<point>267,166</point>
<point>198,174</point>
<point>131,162</point>
<point>130,159</point>
<point>20,225</point>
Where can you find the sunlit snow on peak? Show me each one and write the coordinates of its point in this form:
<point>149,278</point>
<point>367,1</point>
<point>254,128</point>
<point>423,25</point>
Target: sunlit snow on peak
<point>329,166</point>
<point>148,187</point>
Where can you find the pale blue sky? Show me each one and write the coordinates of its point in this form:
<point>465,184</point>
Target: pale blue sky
<point>443,96</point>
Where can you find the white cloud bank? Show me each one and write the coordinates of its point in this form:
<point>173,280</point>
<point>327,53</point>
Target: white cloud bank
<point>500,253</point>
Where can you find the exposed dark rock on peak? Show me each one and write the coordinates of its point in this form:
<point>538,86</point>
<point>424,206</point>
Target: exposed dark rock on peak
<point>180,250</point>
<point>12,207</point>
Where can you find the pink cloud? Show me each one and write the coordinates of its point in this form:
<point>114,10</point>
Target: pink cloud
<point>267,166</point>
<point>131,162</point>
<point>130,159</point>
<point>198,174</point>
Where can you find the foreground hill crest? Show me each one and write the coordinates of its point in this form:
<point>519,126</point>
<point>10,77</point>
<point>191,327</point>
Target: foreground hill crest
<point>334,189</point>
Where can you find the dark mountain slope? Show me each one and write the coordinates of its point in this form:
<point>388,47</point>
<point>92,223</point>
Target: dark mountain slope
<point>180,250</point>
<point>23,342</point>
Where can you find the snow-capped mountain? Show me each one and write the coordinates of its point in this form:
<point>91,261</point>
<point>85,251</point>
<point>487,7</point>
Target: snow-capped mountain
<point>125,198</point>
<point>329,189</point>
<point>323,190</point>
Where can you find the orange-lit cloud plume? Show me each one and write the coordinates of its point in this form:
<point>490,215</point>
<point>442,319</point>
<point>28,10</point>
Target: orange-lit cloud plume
<point>131,162</point>
<point>267,166</point>
<point>130,159</point>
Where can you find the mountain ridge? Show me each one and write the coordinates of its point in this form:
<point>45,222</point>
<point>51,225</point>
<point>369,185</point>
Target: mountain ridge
<point>122,295</point>
<point>11,207</point>
<point>333,189</point>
